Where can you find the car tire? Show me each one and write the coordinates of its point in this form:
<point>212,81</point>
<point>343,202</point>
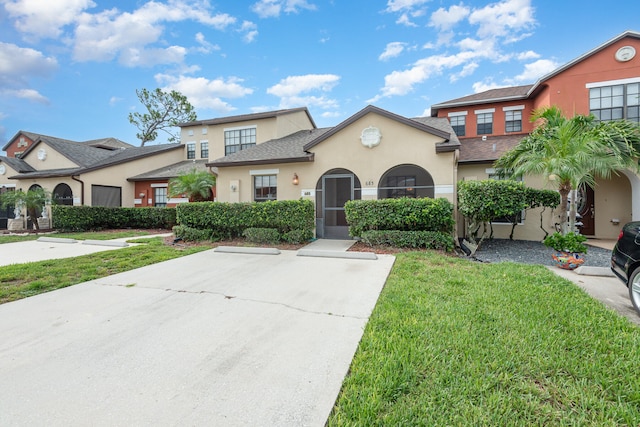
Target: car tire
<point>634,289</point>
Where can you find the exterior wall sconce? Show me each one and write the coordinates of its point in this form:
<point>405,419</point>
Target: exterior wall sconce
<point>142,195</point>
<point>233,188</point>
<point>295,179</point>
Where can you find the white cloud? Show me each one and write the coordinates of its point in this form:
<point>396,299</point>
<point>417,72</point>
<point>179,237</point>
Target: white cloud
<point>392,50</point>
<point>523,56</point>
<point>503,18</point>
<point>114,100</point>
<point>466,71</point>
<point>293,90</point>
<point>403,5</point>
<point>273,8</point>
<point>28,94</point>
<point>109,34</point>
<point>205,93</point>
<point>18,65</point>
<point>443,19</point>
<point>45,18</point>
<point>484,86</point>
<point>250,31</point>
<point>535,70</point>
<point>205,46</point>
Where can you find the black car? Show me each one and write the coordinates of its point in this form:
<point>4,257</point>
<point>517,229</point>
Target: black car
<point>625,260</point>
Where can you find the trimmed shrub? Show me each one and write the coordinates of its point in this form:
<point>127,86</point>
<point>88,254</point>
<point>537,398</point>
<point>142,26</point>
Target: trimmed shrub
<point>87,218</point>
<point>262,235</point>
<point>409,239</point>
<point>231,219</point>
<point>406,214</point>
<point>297,236</point>
<point>193,234</point>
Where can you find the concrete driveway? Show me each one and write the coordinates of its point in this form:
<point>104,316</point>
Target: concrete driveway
<point>208,339</point>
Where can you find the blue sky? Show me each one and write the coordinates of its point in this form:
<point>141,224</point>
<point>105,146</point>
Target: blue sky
<point>70,68</point>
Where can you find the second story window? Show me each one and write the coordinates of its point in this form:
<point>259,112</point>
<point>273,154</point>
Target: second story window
<point>485,123</point>
<point>458,124</point>
<point>513,121</point>
<point>239,139</point>
<point>191,150</point>
<point>615,102</point>
<point>204,149</point>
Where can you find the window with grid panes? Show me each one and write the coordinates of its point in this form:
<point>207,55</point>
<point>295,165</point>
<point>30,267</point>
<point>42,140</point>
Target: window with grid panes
<point>513,121</point>
<point>239,139</point>
<point>265,187</point>
<point>615,102</point>
<point>484,123</point>
<point>160,197</point>
<point>191,150</point>
<point>204,149</point>
<point>458,124</point>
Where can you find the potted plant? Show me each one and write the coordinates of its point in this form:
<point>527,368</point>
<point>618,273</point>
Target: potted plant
<point>568,247</point>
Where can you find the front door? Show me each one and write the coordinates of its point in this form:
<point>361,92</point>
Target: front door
<point>586,209</point>
<point>336,191</point>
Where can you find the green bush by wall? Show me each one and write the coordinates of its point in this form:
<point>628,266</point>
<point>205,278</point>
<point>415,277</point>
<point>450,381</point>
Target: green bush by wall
<point>229,220</point>
<point>404,214</point>
<point>86,218</point>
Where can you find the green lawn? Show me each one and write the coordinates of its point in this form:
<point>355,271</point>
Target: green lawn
<point>24,280</point>
<point>458,343</point>
<point>11,238</point>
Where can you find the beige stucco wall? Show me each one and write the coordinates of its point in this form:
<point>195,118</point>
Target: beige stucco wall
<point>53,159</point>
<point>612,201</point>
<point>266,129</point>
<point>400,144</point>
<point>529,229</point>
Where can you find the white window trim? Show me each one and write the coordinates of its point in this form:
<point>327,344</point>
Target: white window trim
<point>159,185</point>
<point>264,172</point>
<point>513,108</point>
<point>240,128</point>
<point>485,111</point>
<point>457,113</point>
<point>204,131</point>
<point>190,132</point>
<point>613,82</point>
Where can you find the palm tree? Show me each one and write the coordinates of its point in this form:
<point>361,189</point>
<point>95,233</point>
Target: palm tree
<point>194,184</point>
<point>33,200</point>
<point>572,152</point>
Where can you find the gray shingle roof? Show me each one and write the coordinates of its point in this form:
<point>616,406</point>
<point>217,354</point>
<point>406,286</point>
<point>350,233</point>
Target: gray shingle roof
<point>475,150</point>
<point>283,150</point>
<point>171,171</point>
<point>245,117</point>
<point>491,95</point>
<point>18,165</point>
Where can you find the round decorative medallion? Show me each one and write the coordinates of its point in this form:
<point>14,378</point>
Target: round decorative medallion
<point>625,53</point>
<point>3,169</point>
<point>370,137</point>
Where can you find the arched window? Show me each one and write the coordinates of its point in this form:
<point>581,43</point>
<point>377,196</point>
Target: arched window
<point>62,195</point>
<point>405,181</point>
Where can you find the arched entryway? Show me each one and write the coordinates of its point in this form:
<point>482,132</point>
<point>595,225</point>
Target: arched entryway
<point>333,190</point>
<point>405,181</point>
<point>62,195</point>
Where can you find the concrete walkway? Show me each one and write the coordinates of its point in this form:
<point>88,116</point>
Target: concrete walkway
<point>212,338</point>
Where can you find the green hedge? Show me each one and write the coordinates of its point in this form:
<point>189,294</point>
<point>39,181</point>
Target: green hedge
<point>86,218</point>
<point>405,214</point>
<point>409,239</point>
<point>231,219</point>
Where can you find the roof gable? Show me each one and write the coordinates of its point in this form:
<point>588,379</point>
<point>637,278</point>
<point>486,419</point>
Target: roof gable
<point>375,110</point>
<point>247,117</point>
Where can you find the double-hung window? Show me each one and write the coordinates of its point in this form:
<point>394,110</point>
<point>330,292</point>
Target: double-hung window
<point>265,187</point>
<point>239,139</point>
<point>204,149</point>
<point>191,150</point>
<point>513,121</point>
<point>458,124</point>
<point>615,102</point>
<point>160,197</point>
<point>484,122</point>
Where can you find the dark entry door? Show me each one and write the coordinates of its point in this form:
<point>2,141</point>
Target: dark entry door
<point>337,190</point>
<point>6,212</point>
<point>586,209</point>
